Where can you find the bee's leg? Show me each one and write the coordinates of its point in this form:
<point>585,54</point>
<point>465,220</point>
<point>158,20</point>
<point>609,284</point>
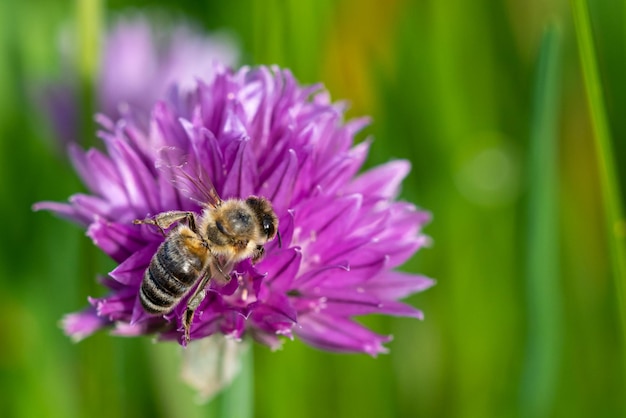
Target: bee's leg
<point>220,269</point>
<point>259,252</point>
<point>198,296</point>
<point>193,303</point>
<point>164,220</point>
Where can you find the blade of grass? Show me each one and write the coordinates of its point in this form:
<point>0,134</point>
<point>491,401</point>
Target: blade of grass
<point>89,22</point>
<point>612,200</point>
<point>542,281</point>
<point>98,359</point>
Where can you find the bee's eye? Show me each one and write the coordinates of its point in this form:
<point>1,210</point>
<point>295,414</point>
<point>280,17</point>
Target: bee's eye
<point>268,226</point>
<point>220,227</point>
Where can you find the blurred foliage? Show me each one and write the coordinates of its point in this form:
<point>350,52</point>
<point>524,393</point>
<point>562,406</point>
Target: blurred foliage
<point>453,86</point>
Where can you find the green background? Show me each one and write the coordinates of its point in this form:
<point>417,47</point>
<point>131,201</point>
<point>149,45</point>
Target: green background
<point>488,101</point>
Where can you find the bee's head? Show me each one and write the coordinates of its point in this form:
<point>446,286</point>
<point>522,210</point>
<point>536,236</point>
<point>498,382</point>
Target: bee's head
<point>265,215</point>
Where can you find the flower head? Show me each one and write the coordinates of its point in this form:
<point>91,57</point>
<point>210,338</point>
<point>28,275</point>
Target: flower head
<point>140,62</point>
<point>255,131</point>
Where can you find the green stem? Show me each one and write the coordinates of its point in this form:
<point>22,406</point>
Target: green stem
<point>614,217</point>
<point>237,400</point>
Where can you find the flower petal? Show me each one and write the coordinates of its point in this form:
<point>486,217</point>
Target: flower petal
<point>339,334</point>
<point>130,272</point>
<point>82,324</point>
<point>63,210</point>
<point>394,285</point>
<point>119,241</point>
<point>240,165</point>
<point>382,181</point>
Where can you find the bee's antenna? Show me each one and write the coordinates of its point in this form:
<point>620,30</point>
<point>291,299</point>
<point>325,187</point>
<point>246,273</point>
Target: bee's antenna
<point>280,241</point>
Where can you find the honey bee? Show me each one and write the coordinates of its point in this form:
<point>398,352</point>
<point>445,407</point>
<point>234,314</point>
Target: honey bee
<point>203,247</point>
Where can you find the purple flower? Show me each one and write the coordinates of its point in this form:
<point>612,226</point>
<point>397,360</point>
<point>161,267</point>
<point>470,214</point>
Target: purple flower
<point>141,60</point>
<point>254,132</point>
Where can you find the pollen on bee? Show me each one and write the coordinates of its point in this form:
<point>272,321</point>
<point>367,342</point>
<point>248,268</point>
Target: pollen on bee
<point>193,243</point>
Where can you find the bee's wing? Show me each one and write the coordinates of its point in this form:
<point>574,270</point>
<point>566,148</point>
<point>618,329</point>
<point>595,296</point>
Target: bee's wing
<point>191,179</point>
<point>210,364</point>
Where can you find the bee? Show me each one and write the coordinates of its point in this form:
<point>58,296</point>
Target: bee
<point>203,247</point>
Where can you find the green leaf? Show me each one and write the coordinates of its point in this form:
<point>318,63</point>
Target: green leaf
<point>612,199</point>
<point>542,280</point>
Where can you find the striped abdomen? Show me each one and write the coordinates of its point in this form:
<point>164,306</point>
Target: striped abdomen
<point>172,273</point>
